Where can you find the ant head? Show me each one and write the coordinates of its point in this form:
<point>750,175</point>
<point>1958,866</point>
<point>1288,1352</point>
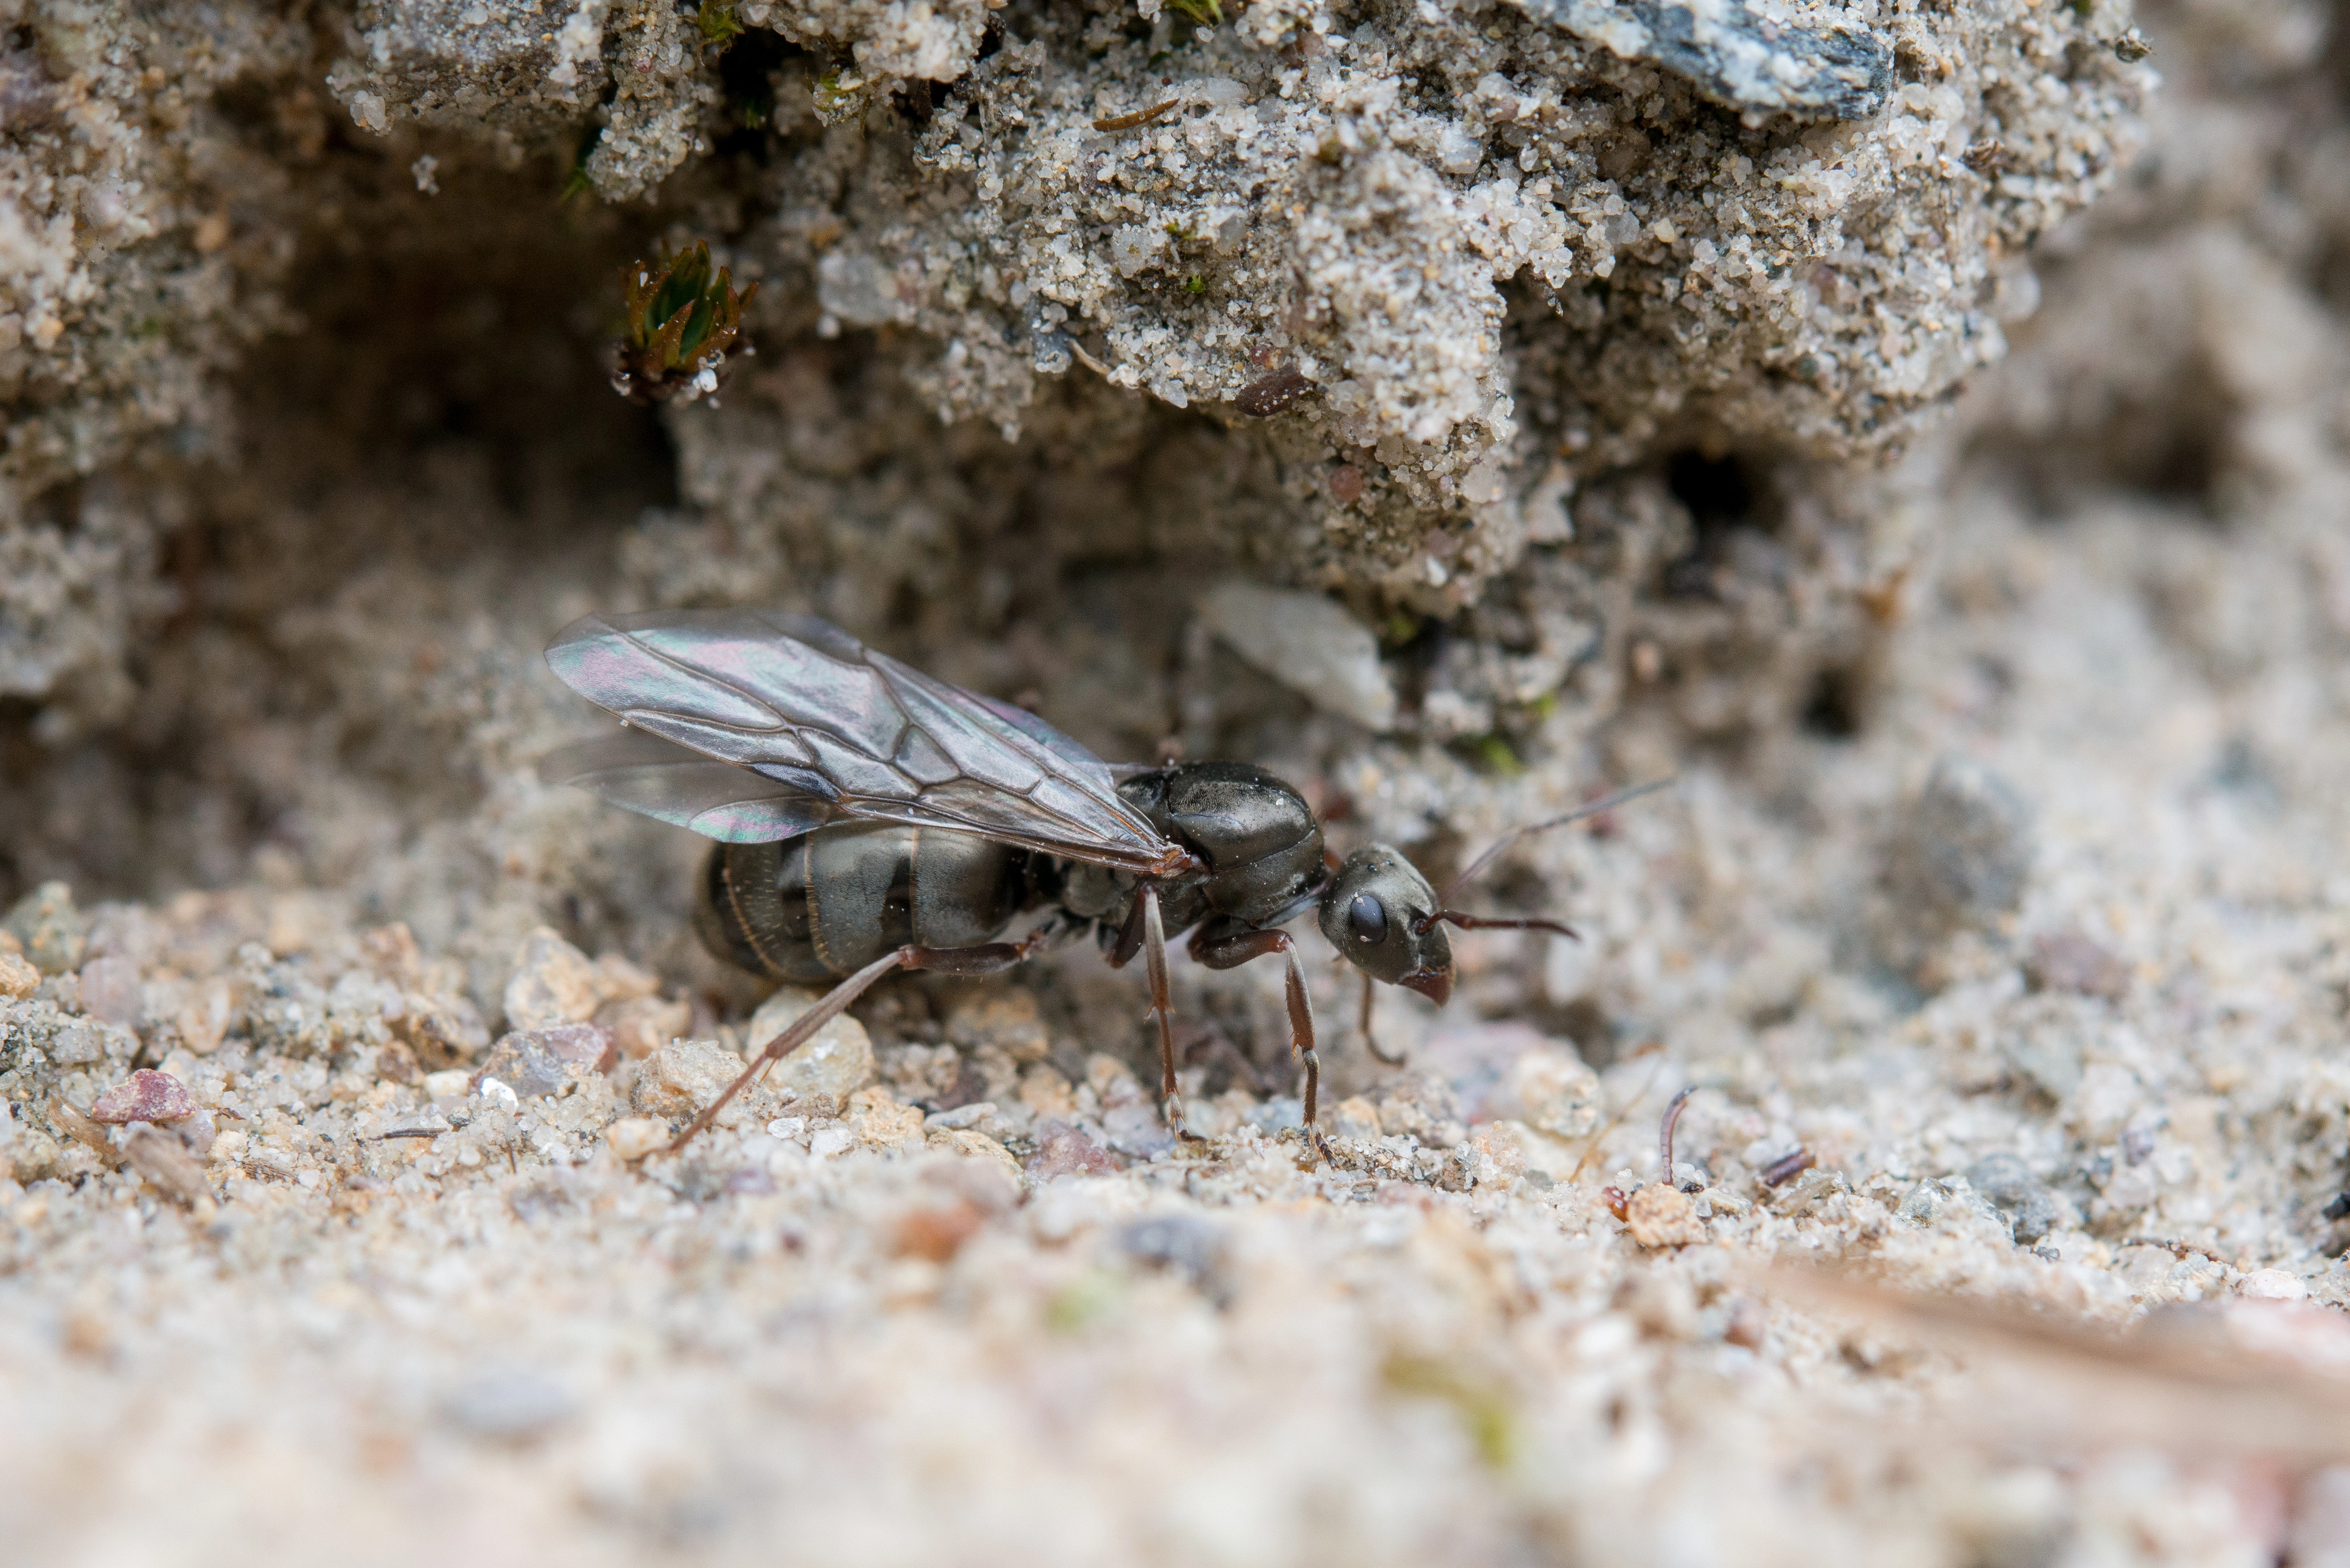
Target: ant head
<point>1381,913</point>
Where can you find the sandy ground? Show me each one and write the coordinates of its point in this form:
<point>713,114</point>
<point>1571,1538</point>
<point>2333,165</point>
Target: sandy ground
<point>1996,928</point>
<point>875,1337</point>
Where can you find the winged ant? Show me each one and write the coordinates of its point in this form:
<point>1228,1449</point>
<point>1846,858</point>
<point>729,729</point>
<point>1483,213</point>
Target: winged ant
<point>870,818</point>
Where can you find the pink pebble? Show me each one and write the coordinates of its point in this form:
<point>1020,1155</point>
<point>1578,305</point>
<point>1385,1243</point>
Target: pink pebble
<point>148,1096</point>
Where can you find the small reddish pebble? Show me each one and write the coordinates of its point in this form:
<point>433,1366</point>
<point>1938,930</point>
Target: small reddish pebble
<point>1617,1204</point>
<point>937,1234</point>
<point>1746,1324</point>
<point>1345,484</point>
<point>1064,1150</point>
<point>1268,395</point>
<point>148,1096</point>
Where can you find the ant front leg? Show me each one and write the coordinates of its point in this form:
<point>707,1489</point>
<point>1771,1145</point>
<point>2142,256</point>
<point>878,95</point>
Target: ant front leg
<point>1146,932</point>
<point>1220,945</point>
<point>1371,1040</point>
<point>988,957</point>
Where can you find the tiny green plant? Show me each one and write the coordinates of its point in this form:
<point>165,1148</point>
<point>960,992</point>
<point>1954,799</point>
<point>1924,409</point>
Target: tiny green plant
<point>1497,756</point>
<point>718,22</point>
<point>1195,284</point>
<point>1199,13</point>
<point>577,182</point>
<point>683,318</point>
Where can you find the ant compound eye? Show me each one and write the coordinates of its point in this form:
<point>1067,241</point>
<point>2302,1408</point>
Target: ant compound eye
<point>1367,918</point>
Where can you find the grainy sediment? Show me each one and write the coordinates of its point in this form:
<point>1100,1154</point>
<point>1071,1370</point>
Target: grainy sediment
<point>1609,416</point>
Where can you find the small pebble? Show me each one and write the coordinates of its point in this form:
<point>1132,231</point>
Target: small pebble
<point>2008,1185</point>
<point>1008,1020</point>
<point>1066,1150</point>
<point>642,1025</point>
<point>1747,1323</point>
<point>166,1162</point>
<point>203,1017</point>
<point>48,927</point>
<point>1183,1244</point>
<point>965,1144</point>
<point>1309,643</point>
<point>633,1138</point>
<point>878,1121</point>
<point>535,1062</point>
<point>2272,1285</point>
<point>2071,960</point>
<point>1962,850</point>
<point>18,978</point>
<point>110,991</point>
<point>835,1065</point>
<point>454,1084</point>
<point>509,1405</point>
<point>1662,1216</point>
<point>553,983</point>
<point>937,1230</point>
<point>683,1076</point>
<point>442,1030</point>
<point>1268,395</point>
<point>147,1097</point>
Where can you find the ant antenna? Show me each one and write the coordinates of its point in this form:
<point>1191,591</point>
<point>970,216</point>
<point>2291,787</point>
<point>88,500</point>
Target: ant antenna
<point>1577,815</point>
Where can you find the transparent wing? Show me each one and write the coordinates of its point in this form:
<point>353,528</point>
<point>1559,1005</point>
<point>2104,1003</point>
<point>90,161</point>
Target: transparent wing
<point>803,705</point>
<point>661,779</point>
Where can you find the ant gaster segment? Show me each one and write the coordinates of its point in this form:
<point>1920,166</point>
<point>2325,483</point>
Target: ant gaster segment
<point>870,818</point>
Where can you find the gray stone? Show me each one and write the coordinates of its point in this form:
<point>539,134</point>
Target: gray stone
<point>1184,1244</point>
<point>508,1405</point>
<point>51,929</point>
<point>1961,852</point>
<point>1308,643</point>
<point>2007,1184</point>
<point>1736,57</point>
<point>533,1061</point>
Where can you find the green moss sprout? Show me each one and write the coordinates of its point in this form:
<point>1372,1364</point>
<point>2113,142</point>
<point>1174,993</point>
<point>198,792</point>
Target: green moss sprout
<point>684,317</point>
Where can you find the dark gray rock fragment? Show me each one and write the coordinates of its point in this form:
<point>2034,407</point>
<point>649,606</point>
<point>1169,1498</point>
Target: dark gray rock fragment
<point>1736,56</point>
<point>1962,853</point>
<point>2009,1185</point>
<point>1181,1244</point>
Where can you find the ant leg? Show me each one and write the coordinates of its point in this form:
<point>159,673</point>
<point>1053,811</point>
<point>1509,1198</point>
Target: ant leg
<point>1154,959</point>
<point>988,957</point>
<point>1224,948</point>
<point>1371,1040</point>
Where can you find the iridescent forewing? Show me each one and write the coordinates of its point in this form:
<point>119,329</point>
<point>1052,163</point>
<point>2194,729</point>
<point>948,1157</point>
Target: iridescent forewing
<point>846,732</point>
<point>662,779</point>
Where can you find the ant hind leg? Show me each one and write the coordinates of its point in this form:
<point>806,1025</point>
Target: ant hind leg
<point>988,957</point>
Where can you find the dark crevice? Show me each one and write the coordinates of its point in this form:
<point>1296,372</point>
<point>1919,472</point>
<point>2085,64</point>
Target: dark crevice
<point>1725,493</point>
<point>1833,709</point>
